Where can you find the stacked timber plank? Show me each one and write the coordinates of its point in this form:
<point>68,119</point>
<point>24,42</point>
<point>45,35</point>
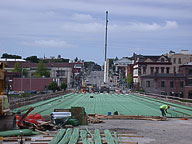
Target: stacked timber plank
<point>79,136</point>
<point>96,118</point>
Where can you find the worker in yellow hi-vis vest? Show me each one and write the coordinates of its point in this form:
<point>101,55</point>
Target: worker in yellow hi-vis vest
<point>163,110</point>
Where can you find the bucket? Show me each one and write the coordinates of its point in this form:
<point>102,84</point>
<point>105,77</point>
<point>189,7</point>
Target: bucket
<point>109,113</point>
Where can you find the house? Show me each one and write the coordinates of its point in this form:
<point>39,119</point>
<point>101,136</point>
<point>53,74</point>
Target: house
<point>178,59</point>
<point>123,67</point>
<point>164,84</point>
<point>186,69</point>
<point>59,71</point>
<point>146,65</point>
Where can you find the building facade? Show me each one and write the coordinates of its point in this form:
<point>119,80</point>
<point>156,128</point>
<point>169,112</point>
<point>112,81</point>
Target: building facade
<point>31,84</point>
<point>164,84</point>
<point>179,59</point>
<point>186,69</point>
<point>61,72</point>
<point>123,67</point>
<point>146,65</point>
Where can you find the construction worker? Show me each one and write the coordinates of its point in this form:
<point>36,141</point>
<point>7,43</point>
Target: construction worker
<point>163,110</point>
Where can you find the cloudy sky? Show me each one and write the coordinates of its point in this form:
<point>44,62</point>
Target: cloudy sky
<point>76,28</point>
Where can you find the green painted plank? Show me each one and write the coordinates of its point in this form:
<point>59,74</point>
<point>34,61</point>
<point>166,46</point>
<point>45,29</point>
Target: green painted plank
<point>83,135</point>
<point>116,138</point>
<point>75,136</point>
<point>66,137</point>
<point>58,137</point>
<point>97,137</point>
<point>109,137</point>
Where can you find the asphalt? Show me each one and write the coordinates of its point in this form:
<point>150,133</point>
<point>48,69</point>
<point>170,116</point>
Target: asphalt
<point>172,131</point>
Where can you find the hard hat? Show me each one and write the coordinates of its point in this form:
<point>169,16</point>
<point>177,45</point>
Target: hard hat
<point>168,106</point>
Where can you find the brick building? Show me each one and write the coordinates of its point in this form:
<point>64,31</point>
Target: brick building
<point>31,84</point>
<point>60,71</point>
<point>164,84</point>
<point>186,69</point>
<point>148,65</point>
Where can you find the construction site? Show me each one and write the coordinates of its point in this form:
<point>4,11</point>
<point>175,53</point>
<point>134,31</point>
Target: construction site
<point>84,116</point>
<point>100,118</point>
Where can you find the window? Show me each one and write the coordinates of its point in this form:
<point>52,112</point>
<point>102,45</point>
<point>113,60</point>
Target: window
<point>152,69</point>
<point>144,70</point>
<point>171,84</point>
<point>179,61</point>
<point>139,70</point>
<point>189,81</point>
<point>171,93</point>
<point>162,83</point>
<point>174,60</point>
<point>190,94</point>
<point>162,69</point>
<point>181,94</point>
<point>174,69</point>
<point>181,84</point>
<point>190,72</point>
<point>148,84</point>
<point>157,69</point>
<point>167,68</point>
<point>162,59</point>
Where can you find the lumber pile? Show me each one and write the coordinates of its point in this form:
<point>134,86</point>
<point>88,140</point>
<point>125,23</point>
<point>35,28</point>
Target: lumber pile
<point>97,118</point>
<point>94,119</point>
<point>80,136</point>
<point>153,118</point>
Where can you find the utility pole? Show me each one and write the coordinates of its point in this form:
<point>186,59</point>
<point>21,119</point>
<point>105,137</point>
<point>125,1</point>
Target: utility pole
<point>105,62</point>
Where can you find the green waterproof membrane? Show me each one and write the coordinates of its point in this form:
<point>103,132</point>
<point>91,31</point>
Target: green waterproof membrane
<point>104,103</point>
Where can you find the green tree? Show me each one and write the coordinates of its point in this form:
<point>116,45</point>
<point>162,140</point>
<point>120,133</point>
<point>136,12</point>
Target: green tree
<point>130,80</point>
<point>53,86</point>
<point>32,59</point>
<point>42,70</point>
<point>18,68</point>
<point>5,55</point>
<point>63,86</point>
<point>111,63</point>
<point>76,59</point>
<point>25,72</point>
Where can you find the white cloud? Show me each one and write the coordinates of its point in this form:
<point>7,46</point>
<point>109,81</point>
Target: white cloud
<point>132,26</point>
<point>82,17</point>
<point>144,27</point>
<point>80,27</point>
<point>49,43</point>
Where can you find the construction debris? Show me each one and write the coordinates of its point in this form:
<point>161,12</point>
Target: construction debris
<point>96,118</point>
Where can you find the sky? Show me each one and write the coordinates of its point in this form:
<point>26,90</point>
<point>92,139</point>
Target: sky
<point>76,28</point>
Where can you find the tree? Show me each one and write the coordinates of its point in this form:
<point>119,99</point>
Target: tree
<point>130,80</point>
<point>116,58</point>
<point>41,70</point>
<point>53,86</point>
<point>32,59</point>
<point>63,86</point>
<point>111,63</point>
<point>18,68</point>
<point>76,59</point>
<point>25,72</point>
<point>5,55</point>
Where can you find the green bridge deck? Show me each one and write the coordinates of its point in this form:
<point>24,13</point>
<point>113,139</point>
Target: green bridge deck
<point>104,103</point>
